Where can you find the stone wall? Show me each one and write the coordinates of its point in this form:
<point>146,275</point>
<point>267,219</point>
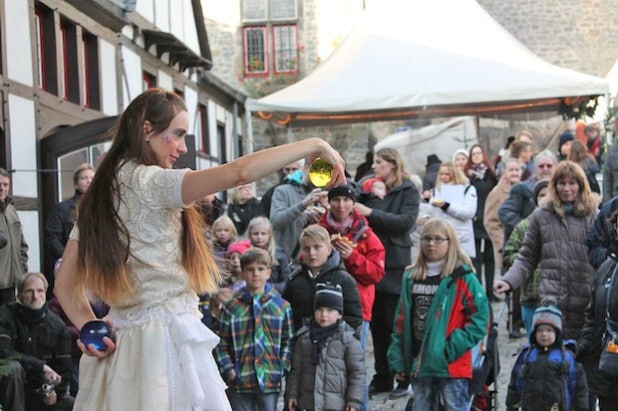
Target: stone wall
<point>578,34</point>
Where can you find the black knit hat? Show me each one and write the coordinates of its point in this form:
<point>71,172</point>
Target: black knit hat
<point>328,295</point>
<point>341,190</point>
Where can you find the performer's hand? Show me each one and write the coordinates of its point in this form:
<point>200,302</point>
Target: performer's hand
<point>293,404</point>
<point>332,157</point>
<point>91,351</point>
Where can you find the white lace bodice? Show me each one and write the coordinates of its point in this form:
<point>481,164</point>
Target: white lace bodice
<point>151,210</point>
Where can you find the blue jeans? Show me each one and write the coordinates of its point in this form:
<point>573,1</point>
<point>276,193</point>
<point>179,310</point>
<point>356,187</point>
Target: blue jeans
<point>527,311</point>
<point>454,393</point>
<point>253,402</point>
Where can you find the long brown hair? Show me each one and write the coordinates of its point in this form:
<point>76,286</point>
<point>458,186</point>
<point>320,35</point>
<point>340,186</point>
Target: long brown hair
<point>584,203</point>
<point>469,164</point>
<point>399,172</point>
<point>104,241</point>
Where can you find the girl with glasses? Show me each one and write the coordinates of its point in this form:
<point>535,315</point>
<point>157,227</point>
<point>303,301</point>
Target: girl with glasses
<point>436,354</point>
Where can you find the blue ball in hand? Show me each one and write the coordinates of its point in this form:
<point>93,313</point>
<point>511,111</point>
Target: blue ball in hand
<point>93,332</point>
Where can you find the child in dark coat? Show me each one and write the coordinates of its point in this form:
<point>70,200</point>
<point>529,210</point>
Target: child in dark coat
<point>546,375</point>
<point>321,264</point>
<point>328,363</point>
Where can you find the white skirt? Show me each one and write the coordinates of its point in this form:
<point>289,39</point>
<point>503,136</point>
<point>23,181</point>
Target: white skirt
<point>163,361</point>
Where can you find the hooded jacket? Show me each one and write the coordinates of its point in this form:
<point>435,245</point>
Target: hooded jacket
<point>300,290</point>
<point>339,378</point>
<point>544,377</point>
<point>460,317</point>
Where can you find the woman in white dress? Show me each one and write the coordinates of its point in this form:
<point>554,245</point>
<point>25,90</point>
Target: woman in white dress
<point>139,245</point>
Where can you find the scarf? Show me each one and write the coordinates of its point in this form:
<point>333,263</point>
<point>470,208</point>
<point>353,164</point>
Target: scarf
<point>478,171</point>
<point>568,208</point>
<point>341,227</point>
<point>318,336</point>
<point>31,316</point>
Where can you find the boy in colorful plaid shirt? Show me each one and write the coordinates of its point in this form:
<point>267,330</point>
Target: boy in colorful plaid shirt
<point>255,330</point>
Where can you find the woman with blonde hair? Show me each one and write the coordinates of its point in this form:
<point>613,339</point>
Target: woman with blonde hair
<point>139,245</point>
<point>440,286</point>
<point>392,219</point>
<point>456,204</point>
<point>556,243</point>
<point>243,206</point>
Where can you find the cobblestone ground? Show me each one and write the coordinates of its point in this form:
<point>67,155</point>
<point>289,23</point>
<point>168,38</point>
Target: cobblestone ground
<point>507,350</point>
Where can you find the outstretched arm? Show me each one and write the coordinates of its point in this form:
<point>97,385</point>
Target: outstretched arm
<point>254,166</point>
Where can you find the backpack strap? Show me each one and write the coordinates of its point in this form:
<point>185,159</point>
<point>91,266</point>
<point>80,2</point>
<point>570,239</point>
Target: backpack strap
<point>569,377</point>
<point>362,227</point>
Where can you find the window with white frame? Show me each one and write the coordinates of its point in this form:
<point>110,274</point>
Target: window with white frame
<point>270,35</point>
<point>285,48</point>
<point>254,43</point>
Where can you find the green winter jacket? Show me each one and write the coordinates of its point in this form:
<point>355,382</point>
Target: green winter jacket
<point>457,320</point>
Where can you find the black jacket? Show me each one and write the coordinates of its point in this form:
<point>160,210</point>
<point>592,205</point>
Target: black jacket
<point>483,188</point>
<point>591,338</point>
<point>37,338</point>
<point>393,219</point>
<point>601,237</point>
<point>59,225</point>
<point>300,290</point>
<point>242,214</point>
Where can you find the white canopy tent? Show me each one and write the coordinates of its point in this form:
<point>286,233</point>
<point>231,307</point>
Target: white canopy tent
<point>418,58</point>
<point>441,139</point>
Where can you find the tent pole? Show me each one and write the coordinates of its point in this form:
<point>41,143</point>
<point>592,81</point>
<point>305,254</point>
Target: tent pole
<point>249,127</point>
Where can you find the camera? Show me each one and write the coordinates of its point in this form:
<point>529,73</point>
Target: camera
<point>47,389</point>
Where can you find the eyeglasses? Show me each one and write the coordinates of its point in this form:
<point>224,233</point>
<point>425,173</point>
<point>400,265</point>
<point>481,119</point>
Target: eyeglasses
<point>435,240</point>
<point>545,165</point>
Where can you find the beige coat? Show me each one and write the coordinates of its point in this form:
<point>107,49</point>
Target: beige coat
<point>494,228</point>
